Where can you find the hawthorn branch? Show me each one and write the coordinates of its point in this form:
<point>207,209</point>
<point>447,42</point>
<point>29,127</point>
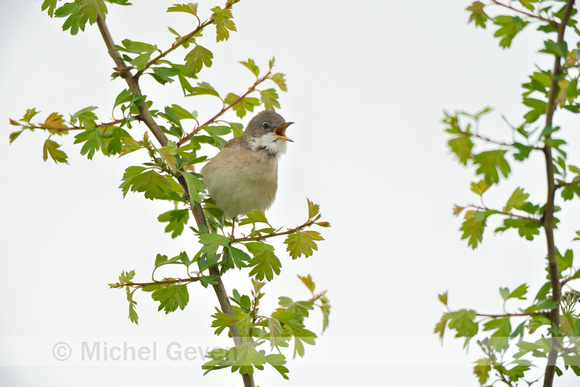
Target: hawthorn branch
<point>506,213</point>
<point>553,22</point>
<point>224,109</point>
<point>275,234</point>
<point>175,45</point>
<point>60,128</point>
<point>522,314</point>
<point>550,206</point>
<point>196,209</point>
<point>162,282</point>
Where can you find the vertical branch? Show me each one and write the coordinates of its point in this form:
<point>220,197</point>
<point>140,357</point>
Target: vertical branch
<point>196,209</point>
<point>549,213</point>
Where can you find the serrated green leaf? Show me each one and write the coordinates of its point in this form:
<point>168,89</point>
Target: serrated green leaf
<point>302,243</point>
<point>480,187</point>
<point>195,60</point>
<point>516,200</point>
<point>194,185</point>
<point>171,297</point>
<point>223,20</point>
<point>473,226</point>
<point>509,27</point>
<point>50,148</point>
<point>478,15</point>
<point>177,220</point>
<point>265,263</point>
<point>251,65</point>
<point>490,164</point>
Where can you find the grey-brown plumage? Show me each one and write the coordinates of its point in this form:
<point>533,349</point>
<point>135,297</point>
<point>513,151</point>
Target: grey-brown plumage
<point>244,176</point>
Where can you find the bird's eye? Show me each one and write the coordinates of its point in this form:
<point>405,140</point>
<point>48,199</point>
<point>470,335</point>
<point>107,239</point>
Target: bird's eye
<point>266,126</point>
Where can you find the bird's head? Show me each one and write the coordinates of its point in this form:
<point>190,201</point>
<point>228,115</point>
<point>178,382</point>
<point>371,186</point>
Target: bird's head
<point>267,131</point>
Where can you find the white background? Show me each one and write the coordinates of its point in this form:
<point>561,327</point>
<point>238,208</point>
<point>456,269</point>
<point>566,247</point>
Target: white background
<point>368,82</point>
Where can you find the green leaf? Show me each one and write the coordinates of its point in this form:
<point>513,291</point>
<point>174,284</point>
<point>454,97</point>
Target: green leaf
<point>461,146</point>
<point>473,226</point>
<point>124,96</point>
<point>171,297</point>
<point>241,107</point>
<point>509,27</point>
<point>490,164</point>
<point>280,80</point>
<point>527,228</point>
<point>186,8</point>
<point>177,220</point>
<point>251,65</point>
<point>517,200</point>
<point>204,88</point>
<point>50,148</point>
<point>152,184</point>
<point>519,292</point>
<point>482,369</point>
<point>269,99</point>
<point>223,20</point>
<point>79,13</point>
<point>480,187</point>
<point>164,75</point>
<point>196,59</point>
<point>265,263</point>
<point>93,141</point>
<point>554,48</point>
<point>313,209</point>
<point>307,281</point>
<point>212,242</point>
<point>500,338</point>
<point>302,243</point>
<point>194,185</point>
<point>463,322</point>
<point>478,15</point>
<point>50,5</point>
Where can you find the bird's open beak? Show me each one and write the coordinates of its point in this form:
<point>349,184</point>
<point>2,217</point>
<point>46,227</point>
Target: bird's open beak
<point>281,131</point>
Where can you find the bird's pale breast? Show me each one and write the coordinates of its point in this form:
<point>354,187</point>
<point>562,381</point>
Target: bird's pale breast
<point>241,180</point>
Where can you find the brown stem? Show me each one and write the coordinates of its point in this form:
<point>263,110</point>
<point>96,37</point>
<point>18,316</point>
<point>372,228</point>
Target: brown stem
<point>275,234</point>
<point>175,45</point>
<point>224,109</point>
<point>163,282</point>
<point>522,314</point>
<point>196,209</point>
<point>553,22</point>
<point>549,212</point>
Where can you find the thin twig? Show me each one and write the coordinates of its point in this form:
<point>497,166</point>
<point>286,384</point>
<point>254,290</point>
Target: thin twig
<point>175,45</point>
<point>163,282</point>
<point>522,314</point>
<point>275,234</point>
<point>553,22</point>
<point>224,109</point>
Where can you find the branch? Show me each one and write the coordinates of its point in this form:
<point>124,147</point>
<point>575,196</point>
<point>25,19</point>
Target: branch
<point>507,213</point>
<point>549,212</point>
<point>163,282</point>
<point>60,128</point>
<point>224,109</point>
<point>522,314</point>
<point>275,234</point>
<point>125,72</point>
<point>175,45</point>
<point>553,22</point>
<point>196,209</point>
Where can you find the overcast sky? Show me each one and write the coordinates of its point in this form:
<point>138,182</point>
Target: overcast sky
<point>368,82</point>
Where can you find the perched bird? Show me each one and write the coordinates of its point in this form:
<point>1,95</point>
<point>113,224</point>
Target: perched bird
<point>243,176</point>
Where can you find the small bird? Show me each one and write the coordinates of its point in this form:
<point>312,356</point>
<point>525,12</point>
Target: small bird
<point>243,176</point>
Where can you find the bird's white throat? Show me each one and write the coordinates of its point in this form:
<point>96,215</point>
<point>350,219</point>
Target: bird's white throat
<point>269,142</point>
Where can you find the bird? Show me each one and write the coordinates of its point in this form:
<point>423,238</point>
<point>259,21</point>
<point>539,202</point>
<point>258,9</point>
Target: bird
<point>243,176</point>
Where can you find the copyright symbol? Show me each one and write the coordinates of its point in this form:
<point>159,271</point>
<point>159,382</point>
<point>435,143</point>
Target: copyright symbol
<point>61,351</point>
